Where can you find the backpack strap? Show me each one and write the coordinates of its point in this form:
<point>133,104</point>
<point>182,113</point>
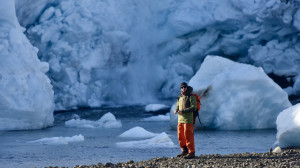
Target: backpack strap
<point>189,100</point>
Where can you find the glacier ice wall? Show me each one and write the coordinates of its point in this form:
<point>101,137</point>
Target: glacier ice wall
<point>114,52</point>
<point>240,96</point>
<point>26,95</point>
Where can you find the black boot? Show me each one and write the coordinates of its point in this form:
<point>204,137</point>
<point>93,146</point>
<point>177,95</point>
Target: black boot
<point>190,156</point>
<point>184,152</point>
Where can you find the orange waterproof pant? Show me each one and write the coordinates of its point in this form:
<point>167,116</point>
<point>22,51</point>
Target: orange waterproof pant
<point>186,136</point>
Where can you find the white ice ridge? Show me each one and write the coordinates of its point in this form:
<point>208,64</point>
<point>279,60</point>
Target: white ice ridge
<point>241,96</point>
<point>26,95</point>
<point>59,140</point>
<point>159,141</point>
<point>137,132</point>
<point>155,107</point>
<point>165,117</point>
<point>288,127</point>
<point>108,120</point>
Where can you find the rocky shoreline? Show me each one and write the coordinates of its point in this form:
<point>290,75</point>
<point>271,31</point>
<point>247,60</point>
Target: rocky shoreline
<point>285,159</point>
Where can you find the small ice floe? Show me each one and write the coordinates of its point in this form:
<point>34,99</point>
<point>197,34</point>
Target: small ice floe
<point>137,132</point>
<point>159,141</point>
<point>59,140</point>
<point>165,117</point>
<point>108,120</point>
<point>157,108</point>
<point>288,127</point>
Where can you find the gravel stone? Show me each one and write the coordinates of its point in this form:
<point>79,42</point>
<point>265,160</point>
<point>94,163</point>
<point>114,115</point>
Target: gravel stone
<point>287,158</point>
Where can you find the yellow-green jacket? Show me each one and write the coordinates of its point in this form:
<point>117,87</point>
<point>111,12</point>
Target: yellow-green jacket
<point>187,107</point>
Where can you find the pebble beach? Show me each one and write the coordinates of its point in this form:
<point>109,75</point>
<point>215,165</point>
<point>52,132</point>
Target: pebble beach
<point>287,158</point>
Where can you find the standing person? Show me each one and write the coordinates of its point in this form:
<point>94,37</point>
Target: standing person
<point>186,104</point>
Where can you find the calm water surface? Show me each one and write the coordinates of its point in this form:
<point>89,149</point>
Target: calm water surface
<point>99,145</point>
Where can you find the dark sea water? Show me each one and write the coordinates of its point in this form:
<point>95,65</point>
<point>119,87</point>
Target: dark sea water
<point>99,145</point>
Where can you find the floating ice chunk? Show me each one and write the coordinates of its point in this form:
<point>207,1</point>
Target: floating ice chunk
<point>137,132</point>
<point>110,121</point>
<point>106,121</point>
<point>288,127</point>
<point>59,140</point>
<point>81,123</point>
<point>158,118</point>
<point>156,107</point>
<point>241,96</point>
<point>160,141</point>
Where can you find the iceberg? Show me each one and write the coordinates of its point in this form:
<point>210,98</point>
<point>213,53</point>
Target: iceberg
<point>26,95</point>
<point>240,96</point>
<point>137,132</point>
<point>59,140</point>
<point>108,120</point>
<point>288,127</point>
<point>159,141</point>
